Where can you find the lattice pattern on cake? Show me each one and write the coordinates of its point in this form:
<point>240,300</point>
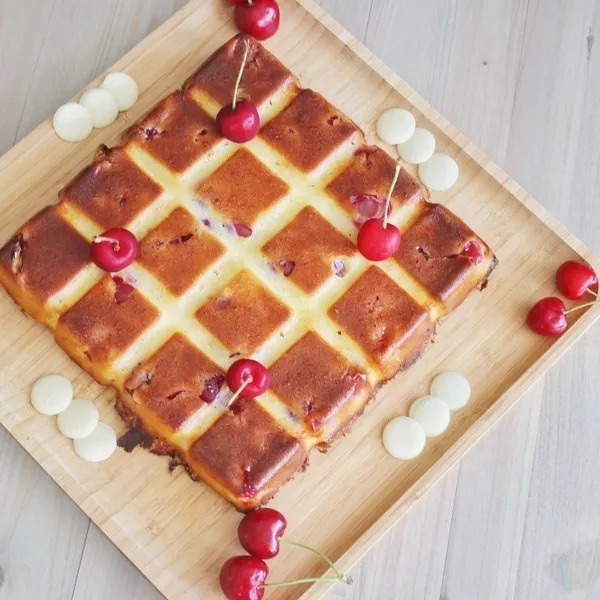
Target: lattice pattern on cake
<point>243,251</point>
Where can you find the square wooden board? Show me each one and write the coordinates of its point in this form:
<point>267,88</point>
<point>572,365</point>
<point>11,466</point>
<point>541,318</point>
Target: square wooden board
<point>179,532</point>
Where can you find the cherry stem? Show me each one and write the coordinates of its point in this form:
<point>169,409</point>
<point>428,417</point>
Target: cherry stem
<point>388,200</point>
<point>100,238</point>
<point>339,575</point>
<point>592,293</point>
<point>235,396</point>
<point>585,305</point>
<point>298,581</point>
<point>236,89</point>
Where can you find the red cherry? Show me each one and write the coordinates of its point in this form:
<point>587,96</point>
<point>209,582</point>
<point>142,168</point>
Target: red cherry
<point>123,290</point>
<point>114,250</point>
<point>242,230</point>
<point>240,124</point>
<point>260,531</point>
<point>242,578</point>
<point>547,317</point>
<point>248,373</point>
<point>574,279</point>
<point>239,1</point>
<point>376,242</point>
<point>473,251</point>
<point>260,18</point>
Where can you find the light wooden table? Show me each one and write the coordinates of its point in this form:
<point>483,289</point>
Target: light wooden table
<point>520,516</point>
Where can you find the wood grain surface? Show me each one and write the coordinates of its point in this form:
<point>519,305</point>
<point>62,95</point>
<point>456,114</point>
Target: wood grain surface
<point>520,516</point>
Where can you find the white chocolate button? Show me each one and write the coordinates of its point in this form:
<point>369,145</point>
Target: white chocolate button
<point>395,126</point>
<point>419,148</point>
<point>432,414</point>
<point>78,420</point>
<point>97,446</point>
<point>403,438</point>
<point>451,387</point>
<point>439,173</point>
<point>72,122</point>
<point>123,87</point>
<point>102,106</point>
<point>51,394</point>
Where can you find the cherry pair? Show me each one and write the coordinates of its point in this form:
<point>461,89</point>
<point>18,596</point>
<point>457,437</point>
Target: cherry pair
<point>260,533</point>
<point>239,121</point>
<point>574,280</point>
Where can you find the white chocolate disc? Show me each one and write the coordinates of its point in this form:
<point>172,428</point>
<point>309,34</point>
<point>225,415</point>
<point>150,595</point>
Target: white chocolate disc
<point>432,414</point>
<point>72,122</point>
<point>403,438</point>
<point>51,394</point>
<point>439,173</point>
<point>451,387</point>
<point>123,87</point>
<point>395,126</point>
<point>78,420</point>
<point>97,446</point>
<point>419,148</point>
<point>102,106</point>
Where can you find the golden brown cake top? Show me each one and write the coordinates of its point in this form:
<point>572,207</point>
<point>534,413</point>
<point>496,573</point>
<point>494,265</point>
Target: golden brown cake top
<point>309,131</point>
<point>112,191</point>
<point>432,251</point>
<point>263,76</point>
<point>103,327</point>
<point>309,265</point>
<point>314,381</point>
<point>226,314</point>
<point>378,314</point>
<point>177,132</point>
<point>176,382</point>
<point>179,250</point>
<point>246,451</point>
<point>242,188</point>
<point>370,174</point>
<point>45,254</point>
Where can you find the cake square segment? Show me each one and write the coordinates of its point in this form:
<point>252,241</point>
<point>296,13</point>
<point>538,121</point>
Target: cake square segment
<point>41,259</point>
<point>382,318</point>
<point>246,455</point>
<point>242,188</point>
<point>226,314</point>
<point>100,328</point>
<point>175,382</point>
<point>370,173</point>
<point>177,132</point>
<point>263,76</point>
<point>315,382</point>
<point>179,250</point>
<point>112,191</point>
<point>309,131</point>
<point>432,251</point>
<point>309,250</point>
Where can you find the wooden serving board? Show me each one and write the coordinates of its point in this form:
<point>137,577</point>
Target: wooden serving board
<point>179,532</point>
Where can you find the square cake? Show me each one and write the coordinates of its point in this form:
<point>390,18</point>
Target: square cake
<point>244,251</point>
